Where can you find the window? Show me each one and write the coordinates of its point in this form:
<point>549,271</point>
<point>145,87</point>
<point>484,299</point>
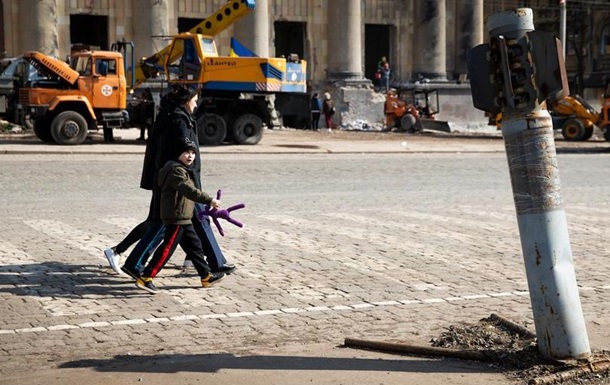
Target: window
<point>604,44</point>
<point>208,45</point>
<point>82,65</point>
<point>104,67</point>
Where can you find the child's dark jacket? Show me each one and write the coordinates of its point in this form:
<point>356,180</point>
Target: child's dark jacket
<point>179,194</point>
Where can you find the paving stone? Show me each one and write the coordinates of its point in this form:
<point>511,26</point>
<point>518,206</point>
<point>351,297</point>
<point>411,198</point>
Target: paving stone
<point>392,247</point>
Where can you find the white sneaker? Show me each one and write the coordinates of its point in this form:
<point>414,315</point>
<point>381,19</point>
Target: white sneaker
<point>188,264</point>
<point>113,260</point>
<point>187,267</point>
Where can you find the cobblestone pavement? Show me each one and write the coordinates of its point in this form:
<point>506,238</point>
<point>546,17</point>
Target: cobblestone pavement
<point>392,247</point>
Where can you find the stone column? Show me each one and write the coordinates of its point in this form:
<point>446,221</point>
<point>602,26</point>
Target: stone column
<point>150,18</point>
<point>253,29</point>
<point>38,19</point>
<point>344,35</point>
<point>470,30</point>
<point>430,40</point>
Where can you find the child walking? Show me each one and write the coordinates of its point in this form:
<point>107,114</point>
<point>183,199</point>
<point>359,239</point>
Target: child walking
<point>178,197</point>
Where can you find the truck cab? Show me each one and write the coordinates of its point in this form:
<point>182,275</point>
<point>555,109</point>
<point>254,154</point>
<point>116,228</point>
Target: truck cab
<point>101,78</point>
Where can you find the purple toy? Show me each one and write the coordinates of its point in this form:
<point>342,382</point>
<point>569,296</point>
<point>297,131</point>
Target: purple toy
<point>223,213</point>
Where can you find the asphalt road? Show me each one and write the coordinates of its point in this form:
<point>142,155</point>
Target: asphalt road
<point>391,247</point>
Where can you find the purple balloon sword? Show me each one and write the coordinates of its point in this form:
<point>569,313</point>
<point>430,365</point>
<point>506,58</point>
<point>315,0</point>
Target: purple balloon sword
<point>222,213</point>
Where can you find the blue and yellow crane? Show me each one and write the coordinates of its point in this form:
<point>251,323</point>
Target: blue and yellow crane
<point>236,90</point>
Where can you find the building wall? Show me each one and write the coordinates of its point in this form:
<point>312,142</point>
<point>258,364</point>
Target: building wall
<point>128,19</point>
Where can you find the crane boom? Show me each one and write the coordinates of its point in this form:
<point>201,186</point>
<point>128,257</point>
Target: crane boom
<point>211,26</point>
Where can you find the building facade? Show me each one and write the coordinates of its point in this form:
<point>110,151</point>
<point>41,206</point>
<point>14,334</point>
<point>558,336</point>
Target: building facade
<point>340,39</point>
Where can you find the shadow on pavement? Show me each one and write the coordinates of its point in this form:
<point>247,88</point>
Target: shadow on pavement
<point>212,363</point>
<point>91,140</point>
<point>56,279</point>
<point>584,150</point>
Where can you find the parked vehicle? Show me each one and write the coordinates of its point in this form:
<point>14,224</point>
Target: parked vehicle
<point>413,109</point>
<point>72,100</point>
<point>16,72</point>
<point>575,117</point>
<point>240,94</point>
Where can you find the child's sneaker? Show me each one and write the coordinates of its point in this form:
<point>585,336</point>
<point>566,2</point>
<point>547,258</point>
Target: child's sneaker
<point>211,279</point>
<point>113,260</point>
<point>147,284</point>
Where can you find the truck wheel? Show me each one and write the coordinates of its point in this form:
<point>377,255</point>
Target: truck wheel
<point>43,131</point>
<point>248,129</point>
<point>407,122</point>
<point>69,127</point>
<point>211,129</point>
<point>573,130</point>
<point>588,133</point>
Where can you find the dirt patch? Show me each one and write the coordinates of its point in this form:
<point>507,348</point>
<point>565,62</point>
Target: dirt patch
<point>516,354</point>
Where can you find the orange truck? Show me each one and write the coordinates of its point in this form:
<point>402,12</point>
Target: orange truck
<point>72,99</point>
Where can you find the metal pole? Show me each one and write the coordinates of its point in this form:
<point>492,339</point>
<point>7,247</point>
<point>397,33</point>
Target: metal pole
<point>562,25</point>
<point>532,161</point>
<point>517,72</point>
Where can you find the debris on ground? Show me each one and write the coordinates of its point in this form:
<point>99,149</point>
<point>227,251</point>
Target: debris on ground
<point>361,125</point>
<point>506,346</point>
<point>8,127</point>
<point>518,357</point>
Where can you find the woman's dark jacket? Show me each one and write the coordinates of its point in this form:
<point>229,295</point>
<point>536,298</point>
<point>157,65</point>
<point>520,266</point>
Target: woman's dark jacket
<point>166,143</point>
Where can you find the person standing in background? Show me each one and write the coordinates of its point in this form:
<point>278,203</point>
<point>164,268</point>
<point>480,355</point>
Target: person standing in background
<point>316,111</point>
<point>147,109</point>
<point>328,107</point>
<point>385,78</point>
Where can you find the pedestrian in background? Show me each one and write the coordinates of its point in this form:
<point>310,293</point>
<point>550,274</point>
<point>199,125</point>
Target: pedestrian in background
<point>385,77</point>
<point>316,111</point>
<point>380,64</point>
<point>147,109</point>
<point>328,108</point>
